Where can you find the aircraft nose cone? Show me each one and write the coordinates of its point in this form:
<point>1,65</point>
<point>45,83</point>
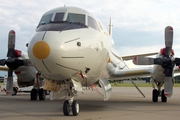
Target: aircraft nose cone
<point>41,50</point>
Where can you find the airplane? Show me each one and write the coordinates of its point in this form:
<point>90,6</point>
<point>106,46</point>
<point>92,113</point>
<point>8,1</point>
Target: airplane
<point>71,49</point>
<point>16,87</point>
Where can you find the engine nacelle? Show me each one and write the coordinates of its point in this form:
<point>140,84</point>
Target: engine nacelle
<point>25,76</point>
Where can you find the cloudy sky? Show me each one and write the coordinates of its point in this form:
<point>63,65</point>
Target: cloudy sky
<point>138,25</point>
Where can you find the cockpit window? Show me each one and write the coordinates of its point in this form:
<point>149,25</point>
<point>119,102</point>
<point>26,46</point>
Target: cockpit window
<point>59,17</point>
<point>92,23</point>
<point>100,26</point>
<point>45,19</point>
<point>76,18</point>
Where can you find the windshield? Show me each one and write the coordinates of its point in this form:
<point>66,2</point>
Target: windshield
<point>59,17</point>
<point>45,19</point>
<point>58,22</point>
<point>92,23</point>
<point>76,18</point>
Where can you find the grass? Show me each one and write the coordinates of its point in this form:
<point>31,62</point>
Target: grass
<point>131,85</point>
<point>138,84</point>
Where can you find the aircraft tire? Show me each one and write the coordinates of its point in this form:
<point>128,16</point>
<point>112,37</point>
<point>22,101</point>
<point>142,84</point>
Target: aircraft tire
<point>42,94</point>
<point>66,108</point>
<point>163,97</point>
<point>155,95</point>
<point>15,90</point>
<point>34,94</point>
<point>75,108</point>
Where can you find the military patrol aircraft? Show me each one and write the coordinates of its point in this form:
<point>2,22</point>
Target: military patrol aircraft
<point>70,49</point>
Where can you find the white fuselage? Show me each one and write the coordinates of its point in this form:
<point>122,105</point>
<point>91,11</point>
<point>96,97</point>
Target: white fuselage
<point>69,43</point>
<point>66,59</point>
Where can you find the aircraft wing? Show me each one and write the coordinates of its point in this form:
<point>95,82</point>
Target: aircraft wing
<point>121,73</point>
<point>177,69</point>
<point>117,74</point>
<point>130,57</point>
<point>4,68</point>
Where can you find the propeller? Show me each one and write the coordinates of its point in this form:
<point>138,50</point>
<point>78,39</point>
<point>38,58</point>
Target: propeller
<point>12,61</point>
<point>166,61</point>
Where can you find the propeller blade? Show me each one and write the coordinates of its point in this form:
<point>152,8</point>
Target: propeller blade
<point>177,61</point>
<point>168,39</point>
<point>11,44</point>
<point>141,60</point>
<point>158,61</point>
<point>3,62</point>
<point>13,62</point>
<point>168,86</point>
<point>9,84</point>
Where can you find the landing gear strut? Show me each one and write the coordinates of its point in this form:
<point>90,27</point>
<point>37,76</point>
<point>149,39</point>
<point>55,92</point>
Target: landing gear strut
<point>70,105</point>
<point>65,89</point>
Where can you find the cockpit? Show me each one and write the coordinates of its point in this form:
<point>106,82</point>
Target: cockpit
<point>59,17</point>
<point>67,18</point>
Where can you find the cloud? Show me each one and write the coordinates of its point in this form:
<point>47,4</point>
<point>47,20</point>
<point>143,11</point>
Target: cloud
<point>137,25</point>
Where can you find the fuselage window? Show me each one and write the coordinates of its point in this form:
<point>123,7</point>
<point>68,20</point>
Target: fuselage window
<point>92,23</point>
<point>76,18</point>
<point>59,17</point>
<point>45,19</point>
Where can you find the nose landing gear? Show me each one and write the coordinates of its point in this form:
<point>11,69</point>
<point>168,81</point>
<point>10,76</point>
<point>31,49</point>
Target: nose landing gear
<point>71,105</point>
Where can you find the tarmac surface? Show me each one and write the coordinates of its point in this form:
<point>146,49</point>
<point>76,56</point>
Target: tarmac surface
<point>125,104</point>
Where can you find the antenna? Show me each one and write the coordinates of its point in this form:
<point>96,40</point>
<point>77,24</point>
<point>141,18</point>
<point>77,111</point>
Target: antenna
<point>110,27</point>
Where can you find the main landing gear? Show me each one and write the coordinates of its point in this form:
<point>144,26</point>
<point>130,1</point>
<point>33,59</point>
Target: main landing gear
<point>38,92</point>
<point>158,93</point>
<point>15,90</point>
